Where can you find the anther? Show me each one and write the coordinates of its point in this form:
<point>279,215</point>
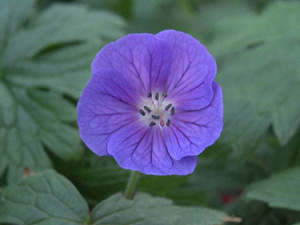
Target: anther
<point>168,107</point>
<point>149,95</point>
<point>142,112</point>
<point>156,117</point>
<point>164,94</point>
<point>147,109</point>
<point>168,123</point>
<point>172,111</point>
<point>156,96</point>
<point>151,124</point>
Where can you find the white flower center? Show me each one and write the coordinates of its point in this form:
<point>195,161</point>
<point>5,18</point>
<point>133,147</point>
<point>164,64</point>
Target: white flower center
<point>156,109</point>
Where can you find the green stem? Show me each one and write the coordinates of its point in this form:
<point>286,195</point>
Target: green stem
<point>131,184</point>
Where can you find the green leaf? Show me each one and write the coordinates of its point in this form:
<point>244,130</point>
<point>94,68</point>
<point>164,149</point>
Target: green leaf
<point>155,16</point>
<point>261,85</point>
<point>243,126</point>
<point>69,24</point>
<point>277,22</point>
<point>258,213</point>
<point>297,223</point>
<point>13,14</point>
<point>45,57</point>
<point>48,198</point>
<point>145,209</point>
<point>274,158</point>
<point>281,190</point>
<point>44,198</point>
<point>212,12</point>
<point>258,66</point>
<point>66,70</point>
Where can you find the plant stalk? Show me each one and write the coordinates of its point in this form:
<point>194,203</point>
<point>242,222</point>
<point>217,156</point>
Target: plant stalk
<point>131,184</point>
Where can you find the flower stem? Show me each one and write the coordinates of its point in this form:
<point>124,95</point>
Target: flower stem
<point>131,184</point>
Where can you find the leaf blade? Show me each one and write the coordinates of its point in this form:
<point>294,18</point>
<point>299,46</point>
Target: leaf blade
<point>282,190</point>
<point>145,209</point>
<point>44,198</point>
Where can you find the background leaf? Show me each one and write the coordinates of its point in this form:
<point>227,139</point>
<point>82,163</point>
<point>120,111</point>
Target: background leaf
<point>105,177</point>
<point>45,57</point>
<point>13,14</point>
<point>259,68</point>
<point>281,190</point>
<point>46,48</point>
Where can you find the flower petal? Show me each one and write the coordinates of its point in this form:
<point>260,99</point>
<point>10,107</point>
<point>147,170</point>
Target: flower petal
<point>141,148</point>
<point>107,104</point>
<point>192,71</point>
<point>192,131</point>
<point>142,58</point>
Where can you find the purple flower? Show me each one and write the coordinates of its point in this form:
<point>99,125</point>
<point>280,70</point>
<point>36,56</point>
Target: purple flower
<point>152,103</point>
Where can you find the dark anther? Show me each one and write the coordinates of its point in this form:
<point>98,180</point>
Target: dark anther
<point>168,123</point>
<point>172,111</point>
<point>142,112</point>
<point>147,109</point>
<point>149,95</point>
<point>156,96</point>
<point>164,94</point>
<point>151,124</point>
<point>156,117</point>
<point>168,107</point>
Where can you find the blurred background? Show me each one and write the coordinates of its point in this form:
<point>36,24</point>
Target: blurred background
<point>252,171</point>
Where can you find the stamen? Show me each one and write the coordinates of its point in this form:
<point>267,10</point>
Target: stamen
<point>151,124</point>
<point>147,109</point>
<point>158,113</point>
<point>172,111</point>
<point>156,117</point>
<point>168,107</point>
<point>168,123</point>
<point>142,112</point>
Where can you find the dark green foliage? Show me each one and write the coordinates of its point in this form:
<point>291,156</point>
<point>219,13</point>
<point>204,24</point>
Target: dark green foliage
<point>281,190</point>
<point>46,48</point>
<point>49,198</point>
<point>43,56</point>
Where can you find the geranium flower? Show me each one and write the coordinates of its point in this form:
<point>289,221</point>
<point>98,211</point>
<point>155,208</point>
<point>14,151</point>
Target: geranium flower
<point>152,103</point>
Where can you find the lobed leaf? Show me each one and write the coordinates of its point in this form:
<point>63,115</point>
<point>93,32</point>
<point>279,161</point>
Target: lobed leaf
<point>281,190</point>
<point>48,198</point>
<point>145,209</point>
<point>259,67</point>
<point>43,58</point>
<point>45,198</point>
<point>13,14</point>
